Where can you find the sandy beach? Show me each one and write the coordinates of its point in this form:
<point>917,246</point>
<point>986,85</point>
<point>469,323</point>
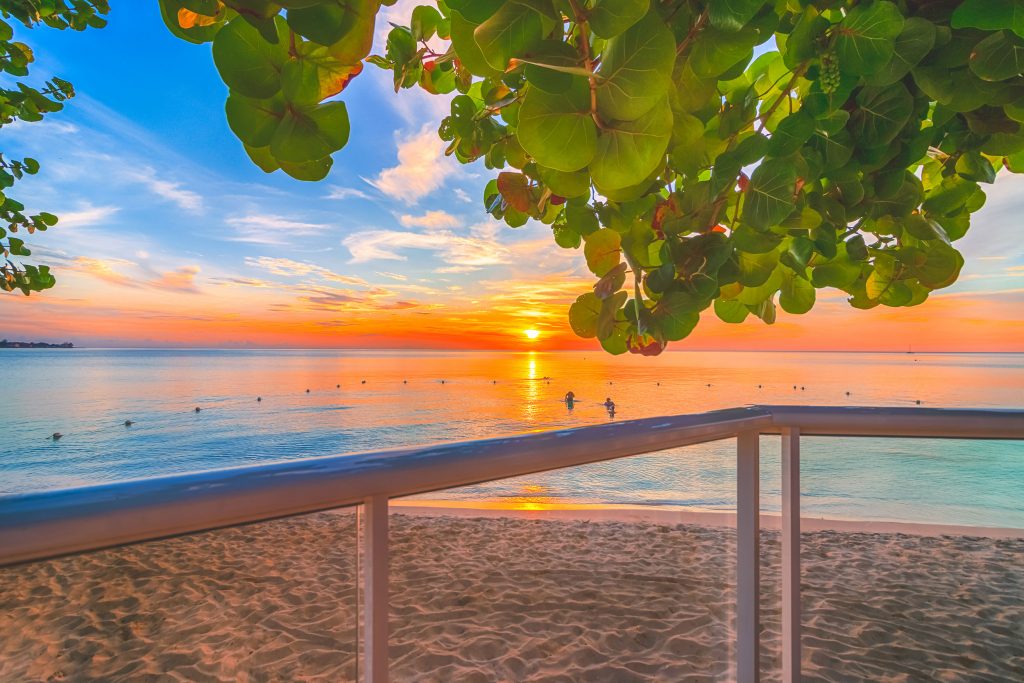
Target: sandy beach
<point>482,596</point>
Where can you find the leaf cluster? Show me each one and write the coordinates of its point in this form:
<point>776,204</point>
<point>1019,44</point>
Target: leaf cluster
<point>850,153</point>
<point>22,102</point>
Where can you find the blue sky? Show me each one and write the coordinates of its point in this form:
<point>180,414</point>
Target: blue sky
<point>165,221</point>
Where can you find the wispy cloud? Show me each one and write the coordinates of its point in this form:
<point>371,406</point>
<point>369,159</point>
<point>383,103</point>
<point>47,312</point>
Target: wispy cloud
<point>181,280</point>
<point>338,192</point>
<point>374,245</point>
<point>393,276</point>
<point>86,214</point>
<point>461,195</point>
<point>289,268</point>
<point>270,229</point>
<point>432,220</point>
<point>422,168</point>
<point>170,190</point>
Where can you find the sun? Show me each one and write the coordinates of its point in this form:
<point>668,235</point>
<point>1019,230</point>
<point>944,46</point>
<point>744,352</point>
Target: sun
<point>531,334</point>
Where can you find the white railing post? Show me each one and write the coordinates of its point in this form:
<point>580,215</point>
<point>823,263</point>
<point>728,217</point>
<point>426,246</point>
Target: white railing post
<point>748,557</point>
<point>791,555</point>
<point>375,590</point>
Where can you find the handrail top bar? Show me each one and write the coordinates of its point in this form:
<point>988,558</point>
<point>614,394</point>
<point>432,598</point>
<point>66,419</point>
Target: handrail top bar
<point>52,523</point>
<point>947,423</point>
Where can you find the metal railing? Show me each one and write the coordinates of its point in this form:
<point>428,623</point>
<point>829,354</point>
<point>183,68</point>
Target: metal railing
<point>43,525</point>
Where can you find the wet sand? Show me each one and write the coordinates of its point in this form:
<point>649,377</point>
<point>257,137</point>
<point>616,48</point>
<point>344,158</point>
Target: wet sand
<point>488,597</point>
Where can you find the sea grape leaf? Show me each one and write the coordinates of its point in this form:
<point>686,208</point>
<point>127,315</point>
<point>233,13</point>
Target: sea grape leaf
<point>249,64</point>
<point>609,18</point>
<point>311,132</point>
<point>636,70</point>
<point>797,295</point>
<point>865,39</point>
<point>465,45</point>
<point>602,249</point>
<point>998,57</point>
<point>509,32</point>
<point>731,310</point>
<point>881,113</point>
<point>769,196</point>
<point>990,15</point>
<point>912,44</point>
<point>557,129</point>
<point>677,313</point>
<point>732,15</point>
<point>630,151</point>
<point>583,315</point>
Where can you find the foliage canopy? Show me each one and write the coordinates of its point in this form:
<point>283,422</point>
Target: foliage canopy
<point>733,155</point>
<point>22,102</point>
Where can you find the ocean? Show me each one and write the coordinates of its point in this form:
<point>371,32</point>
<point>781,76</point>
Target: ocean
<point>366,400</point>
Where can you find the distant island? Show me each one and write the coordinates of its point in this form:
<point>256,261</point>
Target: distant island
<point>4,344</point>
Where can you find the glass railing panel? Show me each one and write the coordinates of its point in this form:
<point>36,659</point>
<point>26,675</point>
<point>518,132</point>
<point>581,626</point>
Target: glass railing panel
<point>272,601</point>
<point>540,578</point>
<point>913,560</point>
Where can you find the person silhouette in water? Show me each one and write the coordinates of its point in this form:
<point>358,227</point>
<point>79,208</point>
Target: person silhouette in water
<point>570,398</point>
<point>610,405</point>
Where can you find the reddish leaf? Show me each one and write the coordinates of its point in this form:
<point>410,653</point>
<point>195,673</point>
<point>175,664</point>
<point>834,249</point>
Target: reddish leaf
<point>515,188</point>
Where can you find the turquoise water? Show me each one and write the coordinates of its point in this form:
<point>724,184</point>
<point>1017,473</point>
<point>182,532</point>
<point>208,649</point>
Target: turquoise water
<point>88,394</point>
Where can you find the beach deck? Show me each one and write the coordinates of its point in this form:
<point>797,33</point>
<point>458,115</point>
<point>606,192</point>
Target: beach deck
<point>270,573</point>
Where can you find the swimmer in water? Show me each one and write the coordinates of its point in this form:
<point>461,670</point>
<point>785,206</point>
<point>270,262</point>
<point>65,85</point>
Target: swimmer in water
<point>610,405</point>
<point>570,398</point>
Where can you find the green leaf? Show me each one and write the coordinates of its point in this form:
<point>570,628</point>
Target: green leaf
<point>881,113</point>
<point>677,313</point>
<point>574,184</point>
<point>557,129</point>
<point>509,32</point>
<point>998,57</point>
<point>791,133</point>
<point>990,15</point>
<point>941,267</point>
<point>715,52</point>
<point>262,157</point>
<point>731,311</point>
<point>797,295</point>
<point>732,15</point>
<point>912,44</point>
<point>629,152</point>
<point>583,315</point>
<point>609,18</point>
<point>424,22</point>
<point>636,70</point>
<point>249,64</point>
<point>551,65</point>
<point>310,133</point>
<point>315,75</point>
<point>325,22</point>
<point>252,120</point>
<point>602,250</point>
<point>865,39</point>
<point>769,196</point>
<point>309,171</point>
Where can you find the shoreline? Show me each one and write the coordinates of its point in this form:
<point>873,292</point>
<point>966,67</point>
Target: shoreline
<point>661,514</point>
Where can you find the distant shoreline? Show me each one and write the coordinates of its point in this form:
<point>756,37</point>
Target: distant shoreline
<point>4,344</point>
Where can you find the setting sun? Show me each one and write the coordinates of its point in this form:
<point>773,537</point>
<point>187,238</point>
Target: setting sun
<point>531,334</point>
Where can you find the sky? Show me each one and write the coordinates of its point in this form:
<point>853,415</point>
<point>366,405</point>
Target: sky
<point>170,237</point>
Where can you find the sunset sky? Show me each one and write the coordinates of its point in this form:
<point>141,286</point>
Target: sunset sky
<point>169,236</point>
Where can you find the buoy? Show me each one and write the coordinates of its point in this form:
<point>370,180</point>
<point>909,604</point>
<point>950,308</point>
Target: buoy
<point>307,391</point>
<point>918,401</point>
<point>56,436</point>
<point>259,398</point>
<point>405,381</point>
<point>758,386</point>
<point>337,386</point>
<point>364,381</point>
<point>847,393</point>
<point>197,409</point>
<point>128,423</point>
<point>709,384</point>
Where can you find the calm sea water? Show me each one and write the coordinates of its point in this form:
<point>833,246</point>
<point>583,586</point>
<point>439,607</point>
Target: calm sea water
<point>396,398</point>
